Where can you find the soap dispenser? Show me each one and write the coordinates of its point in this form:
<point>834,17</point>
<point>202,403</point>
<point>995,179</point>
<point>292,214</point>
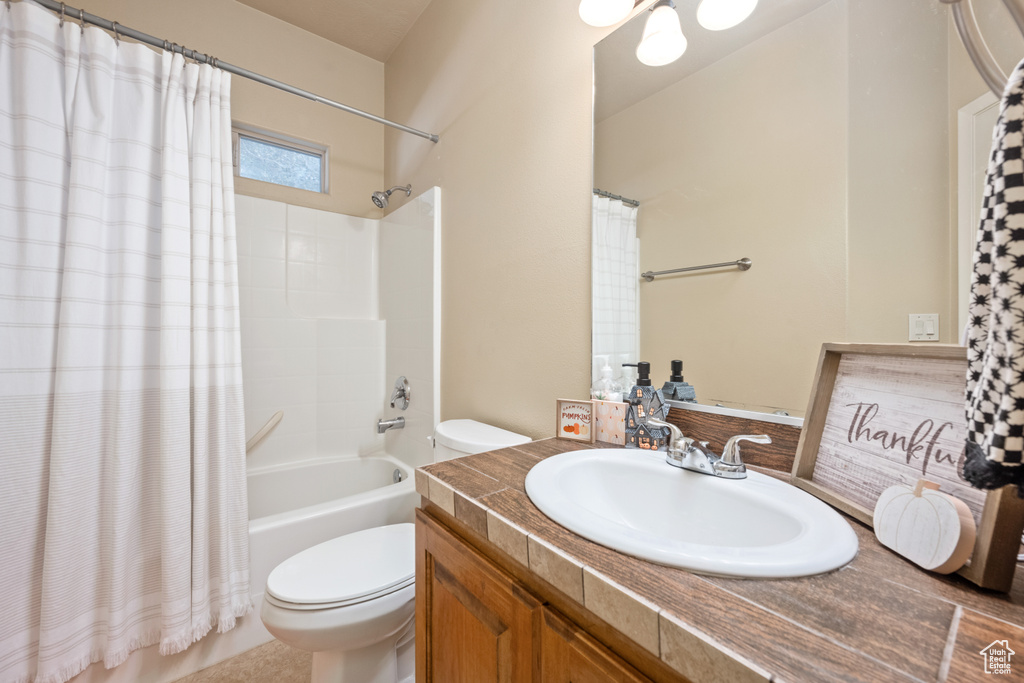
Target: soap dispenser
<point>676,389</point>
<point>606,388</point>
<point>645,402</point>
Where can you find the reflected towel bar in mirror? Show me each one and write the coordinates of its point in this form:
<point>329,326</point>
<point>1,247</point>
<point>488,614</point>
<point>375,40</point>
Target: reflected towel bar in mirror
<point>742,264</point>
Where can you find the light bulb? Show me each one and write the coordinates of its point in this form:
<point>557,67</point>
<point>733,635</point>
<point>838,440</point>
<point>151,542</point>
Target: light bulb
<point>605,12</point>
<point>663,41</point>
<point>716,15</point>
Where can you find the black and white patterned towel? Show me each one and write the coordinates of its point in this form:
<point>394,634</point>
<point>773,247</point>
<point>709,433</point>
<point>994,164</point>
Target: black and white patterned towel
<point>995,355</point>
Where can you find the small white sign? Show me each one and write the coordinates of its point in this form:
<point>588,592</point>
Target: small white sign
<point>575,420</point>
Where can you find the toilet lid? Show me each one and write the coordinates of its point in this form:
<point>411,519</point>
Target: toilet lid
<point>470,436</point>
<point>363,564</point>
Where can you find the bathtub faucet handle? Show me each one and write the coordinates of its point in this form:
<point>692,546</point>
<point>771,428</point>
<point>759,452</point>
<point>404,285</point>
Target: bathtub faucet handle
<point>401,394</point>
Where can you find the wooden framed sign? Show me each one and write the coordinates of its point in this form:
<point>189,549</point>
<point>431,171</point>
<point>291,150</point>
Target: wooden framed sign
<point>575,420</point>
<point>888,414</point>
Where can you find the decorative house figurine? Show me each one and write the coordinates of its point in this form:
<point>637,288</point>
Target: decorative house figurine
<point>675,389</point>
<point>645,402</point>
<point>643,438</point>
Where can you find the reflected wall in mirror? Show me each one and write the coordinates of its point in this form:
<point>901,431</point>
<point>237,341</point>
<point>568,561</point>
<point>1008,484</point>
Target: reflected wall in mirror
<point>819,139</point>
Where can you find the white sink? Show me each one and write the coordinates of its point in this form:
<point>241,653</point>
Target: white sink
<point>636,503</point>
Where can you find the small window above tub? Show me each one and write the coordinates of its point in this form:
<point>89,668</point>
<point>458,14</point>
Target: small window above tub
<point>279,159</point>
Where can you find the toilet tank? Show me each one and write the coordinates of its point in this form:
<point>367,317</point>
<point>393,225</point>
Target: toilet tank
<point>456,438</point>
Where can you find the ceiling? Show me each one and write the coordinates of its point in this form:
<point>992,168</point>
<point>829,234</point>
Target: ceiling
<point>375,28</point>
<point>623,81</point>
<point>370,27</point>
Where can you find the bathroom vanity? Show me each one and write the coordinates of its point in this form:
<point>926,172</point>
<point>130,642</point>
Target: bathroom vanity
<point>505,594</point>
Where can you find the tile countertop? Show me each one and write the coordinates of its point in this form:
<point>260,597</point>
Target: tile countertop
<point>880,618</point>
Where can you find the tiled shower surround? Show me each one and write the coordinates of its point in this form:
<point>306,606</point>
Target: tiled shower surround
<point>333,309</point>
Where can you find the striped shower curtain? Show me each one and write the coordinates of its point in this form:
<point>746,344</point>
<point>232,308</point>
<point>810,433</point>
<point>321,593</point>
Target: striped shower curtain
<point>614,279</point>
<point>122,457</point>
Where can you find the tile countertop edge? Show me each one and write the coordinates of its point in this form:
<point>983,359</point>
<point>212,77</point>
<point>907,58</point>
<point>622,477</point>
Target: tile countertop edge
<point>635,617</point>
<point>486,492</point>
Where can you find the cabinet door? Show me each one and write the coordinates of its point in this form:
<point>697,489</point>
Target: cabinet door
<point>474,623</point>
<point>569,655</point>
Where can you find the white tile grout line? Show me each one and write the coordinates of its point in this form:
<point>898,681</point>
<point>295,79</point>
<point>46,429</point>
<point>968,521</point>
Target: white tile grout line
<point>947,652</point>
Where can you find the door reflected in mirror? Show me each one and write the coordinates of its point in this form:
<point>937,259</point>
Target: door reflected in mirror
<point>819,139</point>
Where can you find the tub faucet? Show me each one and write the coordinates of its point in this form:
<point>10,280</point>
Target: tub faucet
<point>687,454</point>
<point>385,425</point>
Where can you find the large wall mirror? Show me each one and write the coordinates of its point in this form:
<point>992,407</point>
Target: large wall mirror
<point>829,142</point>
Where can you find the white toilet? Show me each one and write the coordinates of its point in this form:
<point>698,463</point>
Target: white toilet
<point>456,438</point>
<point>351,601</point>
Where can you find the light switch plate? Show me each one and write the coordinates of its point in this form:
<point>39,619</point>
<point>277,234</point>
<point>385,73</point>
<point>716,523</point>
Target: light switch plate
<point>924,327</point>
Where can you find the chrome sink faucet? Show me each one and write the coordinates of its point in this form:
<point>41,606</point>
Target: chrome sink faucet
<point>685,453</point>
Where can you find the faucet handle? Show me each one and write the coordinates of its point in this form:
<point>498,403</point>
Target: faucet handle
<point>401,394</point>
<point>731,452</point>
<point>675,435</point>
<point>677,445</point>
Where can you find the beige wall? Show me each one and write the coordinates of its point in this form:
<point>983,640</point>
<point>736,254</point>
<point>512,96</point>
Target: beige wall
<point>899,228</point>
<point>746,158</point>
<point>508,86</point>
<point>250,39</point>
<point>838,180</point>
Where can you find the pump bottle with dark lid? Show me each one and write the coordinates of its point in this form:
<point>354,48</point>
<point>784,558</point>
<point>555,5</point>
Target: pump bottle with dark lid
<point>676,388</point>
<point>643,371</point>
<point>677,371</point>
<point>645,402</point>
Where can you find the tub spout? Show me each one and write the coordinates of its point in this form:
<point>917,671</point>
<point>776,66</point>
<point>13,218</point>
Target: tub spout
<point>385,425</point>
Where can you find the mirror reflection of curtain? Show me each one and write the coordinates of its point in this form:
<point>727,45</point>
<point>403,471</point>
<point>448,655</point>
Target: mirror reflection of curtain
<point>614,285</point>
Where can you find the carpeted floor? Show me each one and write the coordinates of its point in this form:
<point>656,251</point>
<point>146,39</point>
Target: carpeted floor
<point>274,662</point>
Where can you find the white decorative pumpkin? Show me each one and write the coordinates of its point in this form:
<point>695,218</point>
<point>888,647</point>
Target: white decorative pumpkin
<point>929,528</point>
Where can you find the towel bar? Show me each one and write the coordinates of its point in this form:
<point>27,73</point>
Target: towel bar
<point>742,264</point>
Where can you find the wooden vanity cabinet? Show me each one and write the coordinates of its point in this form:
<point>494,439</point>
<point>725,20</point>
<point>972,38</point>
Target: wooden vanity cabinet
<point>476,624</point>
<point>569,655</point>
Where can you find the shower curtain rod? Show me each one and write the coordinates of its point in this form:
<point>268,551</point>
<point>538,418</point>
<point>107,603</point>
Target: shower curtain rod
<point>68,12</point>
<point>609,195</point>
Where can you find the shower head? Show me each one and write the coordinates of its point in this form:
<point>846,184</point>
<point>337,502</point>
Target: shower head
<point>381,198</point>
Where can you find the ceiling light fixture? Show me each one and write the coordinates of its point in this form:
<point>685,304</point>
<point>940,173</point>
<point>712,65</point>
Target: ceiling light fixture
<point>717,15</point>
<point>604,12</point>
<point>663,41</point>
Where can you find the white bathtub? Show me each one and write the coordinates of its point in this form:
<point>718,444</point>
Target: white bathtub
<point>293,507</point>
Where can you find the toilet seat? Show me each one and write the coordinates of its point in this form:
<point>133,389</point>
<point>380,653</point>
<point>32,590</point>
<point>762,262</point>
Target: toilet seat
<point>347,570</point>
<point>341,603</point>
